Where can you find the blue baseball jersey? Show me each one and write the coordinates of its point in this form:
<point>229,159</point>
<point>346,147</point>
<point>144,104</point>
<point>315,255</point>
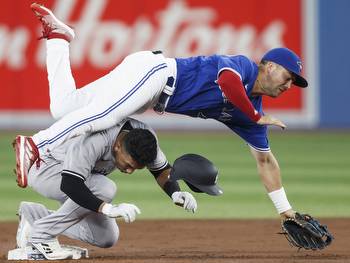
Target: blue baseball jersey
<point>197,94</point>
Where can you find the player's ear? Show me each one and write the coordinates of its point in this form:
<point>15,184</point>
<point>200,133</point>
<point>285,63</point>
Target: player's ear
<point>117,146</point>
<point>270,66</point>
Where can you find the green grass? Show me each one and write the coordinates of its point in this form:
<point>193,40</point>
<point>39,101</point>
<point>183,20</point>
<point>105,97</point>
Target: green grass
<point>315,170</point>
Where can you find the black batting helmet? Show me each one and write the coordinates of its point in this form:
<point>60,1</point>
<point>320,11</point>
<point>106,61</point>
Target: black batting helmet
<point>198,173</point>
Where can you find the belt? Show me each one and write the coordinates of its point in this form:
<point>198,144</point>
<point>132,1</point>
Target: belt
<point>166,93</point>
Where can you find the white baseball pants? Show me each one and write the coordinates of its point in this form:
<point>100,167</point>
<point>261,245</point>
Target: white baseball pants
<point>132,87</point>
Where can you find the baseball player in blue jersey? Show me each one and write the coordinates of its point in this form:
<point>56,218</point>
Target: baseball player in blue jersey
<point>225,88</point>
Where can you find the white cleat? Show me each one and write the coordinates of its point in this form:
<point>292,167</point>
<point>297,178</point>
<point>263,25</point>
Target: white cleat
<point>52,250</point>
<point>31,253</point>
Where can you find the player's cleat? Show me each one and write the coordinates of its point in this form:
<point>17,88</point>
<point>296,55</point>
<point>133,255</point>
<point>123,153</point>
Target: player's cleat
<point>52,27</point>
<point>31,253</point>
<point>52,250</point>
<point>23,231</point>
<point>26,155</point>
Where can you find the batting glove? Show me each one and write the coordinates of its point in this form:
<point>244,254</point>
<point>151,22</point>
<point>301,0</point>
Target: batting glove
<point>127,211</point>
<point>186,200</point>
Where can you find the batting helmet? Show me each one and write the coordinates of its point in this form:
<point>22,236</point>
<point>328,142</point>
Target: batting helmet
<point>198,173</point>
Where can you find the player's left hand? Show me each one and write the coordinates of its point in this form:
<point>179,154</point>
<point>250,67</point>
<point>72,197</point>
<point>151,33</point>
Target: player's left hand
<point>287,214</point>
<point>270,120</point>
<point>186,200</point>
<point>304,231</point>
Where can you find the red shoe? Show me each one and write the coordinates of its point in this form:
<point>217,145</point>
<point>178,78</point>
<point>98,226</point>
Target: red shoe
<point>26,155</point>
<point>52,27</point>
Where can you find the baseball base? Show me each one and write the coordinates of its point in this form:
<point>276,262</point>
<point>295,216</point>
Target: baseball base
<point>30,253</point>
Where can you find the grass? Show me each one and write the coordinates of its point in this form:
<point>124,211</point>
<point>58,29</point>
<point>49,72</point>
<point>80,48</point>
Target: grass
<point>315,170</point>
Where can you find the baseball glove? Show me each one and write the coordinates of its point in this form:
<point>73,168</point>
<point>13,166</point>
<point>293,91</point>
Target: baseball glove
<point>304,231</point>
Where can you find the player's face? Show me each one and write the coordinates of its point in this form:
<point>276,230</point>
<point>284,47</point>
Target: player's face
<point>124,162</point>
<point>278,80</point>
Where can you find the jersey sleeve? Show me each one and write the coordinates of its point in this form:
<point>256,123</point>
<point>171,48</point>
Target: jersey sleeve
<point>254,135</point>
<point>239,65</point>
<point>82,155</point>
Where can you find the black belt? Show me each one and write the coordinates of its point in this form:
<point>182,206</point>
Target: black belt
<point>166,93</point>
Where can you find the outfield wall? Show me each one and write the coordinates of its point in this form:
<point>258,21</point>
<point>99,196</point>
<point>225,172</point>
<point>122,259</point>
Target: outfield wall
<point>109,30</point>
<point>334,61</point>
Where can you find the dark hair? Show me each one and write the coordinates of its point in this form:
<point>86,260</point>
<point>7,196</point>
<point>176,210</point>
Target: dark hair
<point>141,144</point>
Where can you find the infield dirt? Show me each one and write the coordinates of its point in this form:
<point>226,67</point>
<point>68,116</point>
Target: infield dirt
<point>215,241</point>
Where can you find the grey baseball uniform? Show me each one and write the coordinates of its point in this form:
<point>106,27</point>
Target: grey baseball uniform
<point>90,158</point>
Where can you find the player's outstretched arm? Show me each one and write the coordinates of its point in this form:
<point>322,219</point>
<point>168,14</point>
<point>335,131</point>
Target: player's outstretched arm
<point>301,230</point>
<point>270,174</point>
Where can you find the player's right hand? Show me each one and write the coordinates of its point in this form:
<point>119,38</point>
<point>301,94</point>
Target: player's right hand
<point>124,210</point>
<point>186,200</point>
<point>270,120</point>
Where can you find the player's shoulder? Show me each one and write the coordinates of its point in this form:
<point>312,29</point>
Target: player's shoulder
<point>236,58</point>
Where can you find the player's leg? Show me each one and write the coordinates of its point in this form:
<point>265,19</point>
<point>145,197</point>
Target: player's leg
<point>28,212</point>
<point>97,229</point>
<point>62,90</point>
<point>79,223</point>
<point>132,87</point>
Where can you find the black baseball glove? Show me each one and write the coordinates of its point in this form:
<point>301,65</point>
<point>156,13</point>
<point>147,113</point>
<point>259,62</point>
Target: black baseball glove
<point>304,231</point>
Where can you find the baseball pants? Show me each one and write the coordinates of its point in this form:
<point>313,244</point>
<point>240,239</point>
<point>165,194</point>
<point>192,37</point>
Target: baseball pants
<point>70,219</point>
<point>132,87</point>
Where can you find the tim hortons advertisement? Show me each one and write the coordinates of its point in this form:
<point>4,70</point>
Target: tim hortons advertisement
<point>107,31</point>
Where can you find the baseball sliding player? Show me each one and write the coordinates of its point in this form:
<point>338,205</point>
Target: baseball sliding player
<point>75,174</point>
<point>225,88</point>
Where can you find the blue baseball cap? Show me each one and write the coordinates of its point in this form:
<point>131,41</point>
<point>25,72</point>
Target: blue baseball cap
<point>290,61</point>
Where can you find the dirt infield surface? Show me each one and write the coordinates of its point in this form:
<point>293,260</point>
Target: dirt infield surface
<point>204,241</point>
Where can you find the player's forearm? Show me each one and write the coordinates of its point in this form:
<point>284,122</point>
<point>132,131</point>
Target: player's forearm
<point>168,186</point>
<point>271,178</point>
<point>270,174</point>
<point>76,190</point>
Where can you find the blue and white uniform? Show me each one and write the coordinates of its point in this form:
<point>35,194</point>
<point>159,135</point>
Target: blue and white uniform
<point>132,87</point>
<point>197,94</point>
<point>136,84</point>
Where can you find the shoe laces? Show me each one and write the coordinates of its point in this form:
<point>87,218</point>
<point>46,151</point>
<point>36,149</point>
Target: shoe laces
<point>35,158</point>
<point>47,28</point>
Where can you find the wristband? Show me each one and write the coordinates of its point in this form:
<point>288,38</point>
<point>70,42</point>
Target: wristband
<point>280,200</point>
<point>170,187</point>
<point>106,209</point>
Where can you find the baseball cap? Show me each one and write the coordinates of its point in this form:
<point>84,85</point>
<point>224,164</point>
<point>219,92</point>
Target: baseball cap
<point>290,61</point>
<point>197,172</point>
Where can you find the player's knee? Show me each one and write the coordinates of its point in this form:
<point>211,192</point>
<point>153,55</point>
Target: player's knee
<point>109,240</point>
<point>109,191</point>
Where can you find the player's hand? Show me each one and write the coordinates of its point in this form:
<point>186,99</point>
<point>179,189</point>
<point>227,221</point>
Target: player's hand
<point>186,200</point>
<point>270,120</point>
<point>287,214</point>
<point>127,211</point>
